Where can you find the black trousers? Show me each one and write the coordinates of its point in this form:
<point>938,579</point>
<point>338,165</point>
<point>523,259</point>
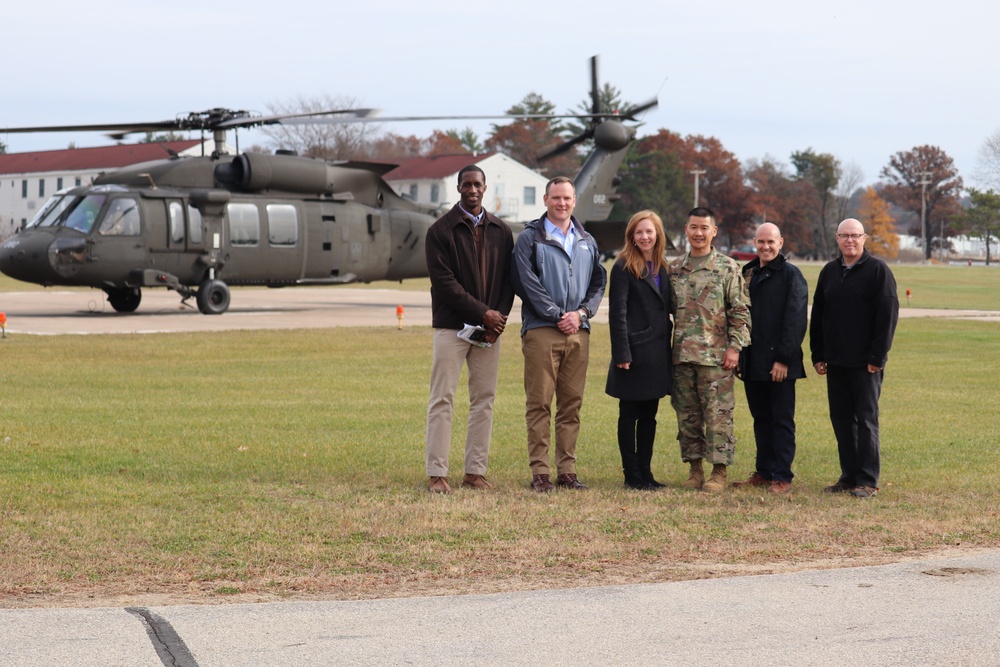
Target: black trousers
<point>636,433</point>
<point>853,394</point>
<point>772,405</point>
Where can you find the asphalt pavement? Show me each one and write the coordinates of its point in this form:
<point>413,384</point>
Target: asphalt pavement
<point>930,612</point>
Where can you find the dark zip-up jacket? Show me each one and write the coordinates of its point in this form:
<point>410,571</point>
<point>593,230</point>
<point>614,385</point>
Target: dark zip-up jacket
<point>854,313</point>
<point>779,302</point>
<point>469,269</point>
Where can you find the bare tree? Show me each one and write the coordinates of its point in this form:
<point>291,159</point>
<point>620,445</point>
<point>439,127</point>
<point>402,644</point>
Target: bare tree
<point>988,165</point>
<point>328,141</point>
<point>851,178</point>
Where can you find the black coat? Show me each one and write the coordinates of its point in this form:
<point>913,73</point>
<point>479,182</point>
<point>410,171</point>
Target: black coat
<point>778,314</point>
<point>639,318</point>
<point>854,313</point>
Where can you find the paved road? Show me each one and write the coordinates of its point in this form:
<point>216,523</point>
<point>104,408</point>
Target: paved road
<point>935,612</point>
<point>87,311</point>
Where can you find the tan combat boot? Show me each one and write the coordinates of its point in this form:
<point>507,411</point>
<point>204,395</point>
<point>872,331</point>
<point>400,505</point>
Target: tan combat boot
<point>696,478</point>
<point>717,482</point>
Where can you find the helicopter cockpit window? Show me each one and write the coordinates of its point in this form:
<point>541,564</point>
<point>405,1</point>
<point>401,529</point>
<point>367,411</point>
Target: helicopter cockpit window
<point>282,224</point>
<point>51,211</point>
<point>121,218</point>
<point>84,214</point>
<point>244,224</point>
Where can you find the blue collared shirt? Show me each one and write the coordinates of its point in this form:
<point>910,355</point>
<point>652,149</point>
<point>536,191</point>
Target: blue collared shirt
<point>567,240</point>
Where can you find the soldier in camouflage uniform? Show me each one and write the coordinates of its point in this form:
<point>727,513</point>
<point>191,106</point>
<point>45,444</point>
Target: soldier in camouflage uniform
<point>711,326</point>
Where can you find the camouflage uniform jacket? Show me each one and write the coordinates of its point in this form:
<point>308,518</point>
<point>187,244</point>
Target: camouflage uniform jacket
<point>711,309</point>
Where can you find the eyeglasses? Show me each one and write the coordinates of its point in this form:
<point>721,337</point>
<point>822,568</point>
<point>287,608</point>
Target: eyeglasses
<point>853,237</point>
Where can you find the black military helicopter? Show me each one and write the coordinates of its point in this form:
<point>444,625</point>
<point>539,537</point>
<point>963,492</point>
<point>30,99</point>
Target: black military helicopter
<point>199,224</point>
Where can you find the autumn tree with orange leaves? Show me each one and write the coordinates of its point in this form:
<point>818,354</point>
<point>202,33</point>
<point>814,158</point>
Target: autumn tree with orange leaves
<point>873,213</point>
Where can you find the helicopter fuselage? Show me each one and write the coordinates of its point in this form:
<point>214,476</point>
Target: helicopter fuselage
<point>252,219</point>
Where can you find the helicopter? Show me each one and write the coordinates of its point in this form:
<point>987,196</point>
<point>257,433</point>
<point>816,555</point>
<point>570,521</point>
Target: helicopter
<point>197,225</point>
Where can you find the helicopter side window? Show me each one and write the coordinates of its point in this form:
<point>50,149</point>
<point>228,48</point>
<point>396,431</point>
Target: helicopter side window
<point>244,224</point>
<point>176,223</point>
<point>194,225</point>
<point>121,218</point>
<point>282,225</point>
<point>84,214</point>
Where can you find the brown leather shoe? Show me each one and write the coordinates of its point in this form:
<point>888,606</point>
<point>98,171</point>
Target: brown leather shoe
<point>541,484</point>
<point>439,485</point>
<point>779,488</point>
<point>755,479</point>
<point>475,482</point>
<point>568,480</point>
<point>864,491</point>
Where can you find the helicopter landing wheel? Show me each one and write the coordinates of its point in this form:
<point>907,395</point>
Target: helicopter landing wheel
<point>124,299</point>
<point>213,297</point>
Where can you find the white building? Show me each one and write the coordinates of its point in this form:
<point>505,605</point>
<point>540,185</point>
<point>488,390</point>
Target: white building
<point>513,191</point>
<point>27,180</point>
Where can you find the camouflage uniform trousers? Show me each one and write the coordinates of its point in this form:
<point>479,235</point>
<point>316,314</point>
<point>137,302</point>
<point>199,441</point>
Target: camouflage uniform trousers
<point>704,399</point>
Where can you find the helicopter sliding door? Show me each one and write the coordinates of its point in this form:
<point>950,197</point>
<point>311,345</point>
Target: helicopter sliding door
<point>175,238</point>
<point>265,243</point>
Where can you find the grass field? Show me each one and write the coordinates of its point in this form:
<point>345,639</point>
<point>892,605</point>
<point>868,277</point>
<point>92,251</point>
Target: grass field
<point>252,466</point>
<point>270,465</point>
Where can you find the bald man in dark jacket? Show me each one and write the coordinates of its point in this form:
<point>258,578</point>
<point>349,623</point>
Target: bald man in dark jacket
<point>772,363</point>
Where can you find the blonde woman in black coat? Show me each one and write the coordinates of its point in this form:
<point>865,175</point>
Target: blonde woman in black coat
<point>641,372</point>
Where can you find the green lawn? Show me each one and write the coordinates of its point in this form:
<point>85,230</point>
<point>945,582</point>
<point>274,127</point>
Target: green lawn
<point>269,465</point>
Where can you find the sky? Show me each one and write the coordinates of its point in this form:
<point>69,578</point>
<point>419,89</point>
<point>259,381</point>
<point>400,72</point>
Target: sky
<point>862,80</point>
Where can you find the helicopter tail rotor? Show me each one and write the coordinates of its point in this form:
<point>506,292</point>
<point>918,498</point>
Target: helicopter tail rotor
<point>606,138</point>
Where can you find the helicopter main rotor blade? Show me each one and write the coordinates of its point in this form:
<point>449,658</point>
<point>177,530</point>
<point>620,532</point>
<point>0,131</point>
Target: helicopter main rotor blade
<point>390,119</point>
<point>109,127</point>
<point>319,117</point>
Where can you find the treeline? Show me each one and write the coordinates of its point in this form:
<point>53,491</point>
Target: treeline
<point>919,192</point>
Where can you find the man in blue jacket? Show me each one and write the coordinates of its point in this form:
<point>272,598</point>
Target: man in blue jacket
<point>772,362</point>
<point>854,316</point>
<point>559,277</point>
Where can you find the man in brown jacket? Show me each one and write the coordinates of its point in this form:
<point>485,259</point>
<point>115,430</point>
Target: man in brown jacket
<point>469,262</point>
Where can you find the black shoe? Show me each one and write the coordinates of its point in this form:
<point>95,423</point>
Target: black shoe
<point>839,487</point>
<point>653,483</point>
<point>639,485</point>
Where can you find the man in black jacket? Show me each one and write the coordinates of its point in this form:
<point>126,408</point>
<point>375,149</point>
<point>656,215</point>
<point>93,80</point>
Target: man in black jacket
<point>469,263</point>
<point>854,316</point>
<point>772,363</point>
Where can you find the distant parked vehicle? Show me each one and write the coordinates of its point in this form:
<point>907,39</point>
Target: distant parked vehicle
<point>744,253</point>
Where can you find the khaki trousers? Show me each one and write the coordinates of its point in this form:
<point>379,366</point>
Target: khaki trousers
<point>554,364</point>
<point>450,352</point>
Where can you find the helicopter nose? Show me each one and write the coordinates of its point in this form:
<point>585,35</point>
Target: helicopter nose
<point>24,256</point>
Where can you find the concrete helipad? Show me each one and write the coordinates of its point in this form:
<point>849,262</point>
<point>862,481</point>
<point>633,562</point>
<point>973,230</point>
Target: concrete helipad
<point>55,311</point>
